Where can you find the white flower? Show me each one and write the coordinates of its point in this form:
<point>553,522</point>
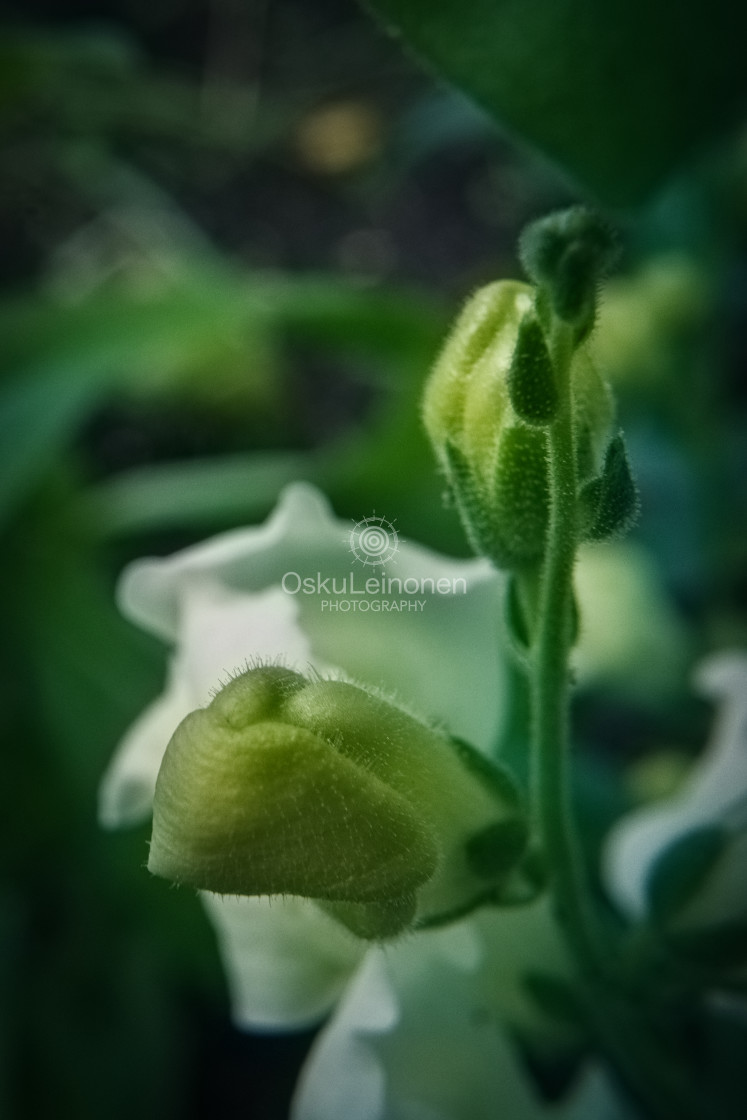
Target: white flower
<point>421,1032</point>
<point>714,794</point>
<point>220,605</point>
<point>451,993</point>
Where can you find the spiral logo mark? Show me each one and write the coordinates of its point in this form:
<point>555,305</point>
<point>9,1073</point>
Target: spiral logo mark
<point>373,540</point>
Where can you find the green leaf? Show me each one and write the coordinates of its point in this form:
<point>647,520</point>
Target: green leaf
<point>38,413</point>
<point>202,493</point>
<point>619,93</point>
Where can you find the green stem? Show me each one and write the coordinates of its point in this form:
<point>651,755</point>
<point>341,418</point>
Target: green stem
<point>550,783</point>
<point>626,1037</point>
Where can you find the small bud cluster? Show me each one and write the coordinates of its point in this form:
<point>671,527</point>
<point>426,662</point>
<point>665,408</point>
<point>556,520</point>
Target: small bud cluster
<point>495,392</point>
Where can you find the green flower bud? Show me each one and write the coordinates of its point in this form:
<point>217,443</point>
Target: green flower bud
<point>567,254</point>
<point>317,788</point>
<point>486,403</point>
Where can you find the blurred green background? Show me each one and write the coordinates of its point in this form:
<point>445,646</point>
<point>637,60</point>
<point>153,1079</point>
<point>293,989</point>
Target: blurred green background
<point>233,235</point>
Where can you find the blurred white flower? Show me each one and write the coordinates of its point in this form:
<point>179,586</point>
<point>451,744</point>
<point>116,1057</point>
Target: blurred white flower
<point>631,637</point>
<point>421,1033</point>
<point>714,794</point>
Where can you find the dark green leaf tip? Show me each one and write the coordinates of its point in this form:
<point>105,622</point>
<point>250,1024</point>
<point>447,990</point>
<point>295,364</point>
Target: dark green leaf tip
<point>531,379</point>
<point>610,503</point>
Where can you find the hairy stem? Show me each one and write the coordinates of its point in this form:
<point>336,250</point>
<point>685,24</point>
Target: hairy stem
<point>627,1038</point>
<point>550,683</point>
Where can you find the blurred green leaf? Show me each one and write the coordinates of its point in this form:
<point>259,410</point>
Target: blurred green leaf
<point>203,493</point>
<point>37,415</point>
<point>97,83</point>
<point>69,357</point>
<point>88,672</point>
<point>619,93</point>
<point>210,332</point>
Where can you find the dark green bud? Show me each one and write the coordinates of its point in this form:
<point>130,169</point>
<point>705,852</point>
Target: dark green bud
<point>567,254</point>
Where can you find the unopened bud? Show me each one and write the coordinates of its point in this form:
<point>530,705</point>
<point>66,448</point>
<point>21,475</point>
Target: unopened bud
<point>487,404</point>
<point>567,254</point>
<point>321,789</point>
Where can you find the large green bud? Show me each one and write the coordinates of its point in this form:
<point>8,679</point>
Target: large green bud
<point>487,405</point>
<point>317,788</point>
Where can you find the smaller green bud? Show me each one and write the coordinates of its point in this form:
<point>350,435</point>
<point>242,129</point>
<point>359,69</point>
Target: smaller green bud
<point>531,379</point>
<point>609,504</point>
<point>321,789</point>
<point>490,397</point>
<point>495,464</point>
<point>567,254</point>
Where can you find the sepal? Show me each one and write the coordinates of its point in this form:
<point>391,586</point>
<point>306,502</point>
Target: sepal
<point>522,495</point>
<point>609,503</point>
<point>717,949</point>
<point>531,379</point>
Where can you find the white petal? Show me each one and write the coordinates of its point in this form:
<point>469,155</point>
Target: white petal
<point>126,791</point>
<point>445,1059</point>
<point>286,961</point>
<point>446,660</point>
<point>245,559</point>
<point>222,631</point>
<point>443,659</point>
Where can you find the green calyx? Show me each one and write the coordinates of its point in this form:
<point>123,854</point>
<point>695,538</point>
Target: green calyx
<point>284,785</point>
